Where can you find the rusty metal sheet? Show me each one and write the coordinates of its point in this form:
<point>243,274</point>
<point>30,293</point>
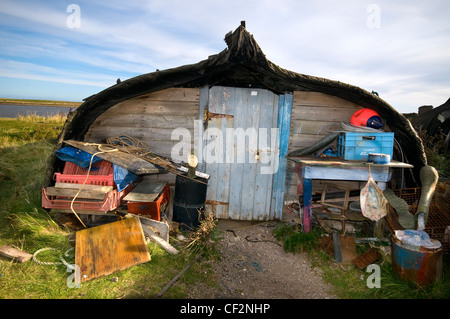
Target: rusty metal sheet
<point>367,258</point>
<point>420,266</point>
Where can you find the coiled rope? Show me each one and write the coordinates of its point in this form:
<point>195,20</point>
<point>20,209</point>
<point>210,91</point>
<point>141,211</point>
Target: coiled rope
<point>348,127</point>
<point>49,263</point>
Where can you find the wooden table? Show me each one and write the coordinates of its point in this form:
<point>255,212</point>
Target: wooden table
<point>310,168</point>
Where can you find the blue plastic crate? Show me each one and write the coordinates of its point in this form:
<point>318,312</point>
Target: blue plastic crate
<point>358,146</point>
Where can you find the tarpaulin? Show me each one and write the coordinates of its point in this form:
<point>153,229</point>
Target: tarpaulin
<point>123,177</point>
<point>77,156</point>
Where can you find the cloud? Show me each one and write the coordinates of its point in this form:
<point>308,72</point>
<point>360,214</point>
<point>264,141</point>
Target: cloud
<point>100,31</point>
<point>25,70</point>
<point>34,12</point>
<point>405,58</point>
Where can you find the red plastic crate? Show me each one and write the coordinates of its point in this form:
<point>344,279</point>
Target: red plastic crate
<point>151,208</point>
<point>102,174</point>
<point>113,199</point>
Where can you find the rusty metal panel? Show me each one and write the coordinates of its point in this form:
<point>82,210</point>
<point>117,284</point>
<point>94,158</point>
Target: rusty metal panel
<point>421,266</point>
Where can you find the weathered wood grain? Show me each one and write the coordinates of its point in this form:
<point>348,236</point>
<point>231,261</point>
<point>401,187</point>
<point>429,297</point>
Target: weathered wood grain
<point>105,249</point>
<point>151,118</point>
<point>314,114</point>
<point>80,193</point>
<point>132,163</point>
<point>14,254</point>
<point>96,188</point>
<point>146,191</point>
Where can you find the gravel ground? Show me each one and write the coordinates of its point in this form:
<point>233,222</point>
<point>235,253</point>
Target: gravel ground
<point>253,265</point>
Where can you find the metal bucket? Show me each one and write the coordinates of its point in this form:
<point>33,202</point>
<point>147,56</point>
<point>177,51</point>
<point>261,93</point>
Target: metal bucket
<point>422,266</point>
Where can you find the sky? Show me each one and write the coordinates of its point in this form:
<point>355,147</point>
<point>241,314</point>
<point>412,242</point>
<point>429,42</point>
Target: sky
<point>69,50</point>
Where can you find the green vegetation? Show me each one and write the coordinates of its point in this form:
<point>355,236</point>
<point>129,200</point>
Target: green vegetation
<point>349,281</point>
<point>295,240</point>
<point>25,146</point>
<point>437,152</point>
<point>39,102</point>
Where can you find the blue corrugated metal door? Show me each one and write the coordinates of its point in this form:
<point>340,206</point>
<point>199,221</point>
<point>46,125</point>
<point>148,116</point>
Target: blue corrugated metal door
<point>240,151</point>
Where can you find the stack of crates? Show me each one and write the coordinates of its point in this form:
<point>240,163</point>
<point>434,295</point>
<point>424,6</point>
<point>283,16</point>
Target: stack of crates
<point>101,174</point>
<point>358,146</point>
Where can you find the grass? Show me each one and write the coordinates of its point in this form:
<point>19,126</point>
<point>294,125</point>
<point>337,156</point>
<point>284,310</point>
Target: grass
<point>15,132</point>
<point>39,102</point>
<point>25,146</point>
<point>350,282</point>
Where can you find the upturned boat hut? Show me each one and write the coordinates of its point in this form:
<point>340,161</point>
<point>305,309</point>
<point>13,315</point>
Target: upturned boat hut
<point>207,107</point>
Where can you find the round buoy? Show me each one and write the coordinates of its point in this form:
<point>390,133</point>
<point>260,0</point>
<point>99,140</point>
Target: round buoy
<point>366,117</point>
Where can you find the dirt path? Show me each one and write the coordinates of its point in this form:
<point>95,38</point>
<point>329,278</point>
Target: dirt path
<point>253,265</point>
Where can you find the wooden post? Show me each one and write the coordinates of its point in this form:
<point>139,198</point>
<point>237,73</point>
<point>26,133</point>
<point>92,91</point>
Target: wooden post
<point>307,194</point>
<point>279,180</point>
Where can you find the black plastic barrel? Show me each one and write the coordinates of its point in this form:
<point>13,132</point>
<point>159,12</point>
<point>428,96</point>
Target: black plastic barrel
<point>189,201</point>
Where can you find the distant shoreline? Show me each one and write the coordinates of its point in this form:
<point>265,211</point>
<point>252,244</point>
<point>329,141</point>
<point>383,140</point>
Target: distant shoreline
<point>4,101</point>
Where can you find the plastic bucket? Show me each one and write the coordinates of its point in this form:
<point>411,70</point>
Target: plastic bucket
<point>189,201</point>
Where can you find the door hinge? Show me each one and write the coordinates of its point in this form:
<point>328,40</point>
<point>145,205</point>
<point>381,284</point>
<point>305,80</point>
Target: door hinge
<point>207,115</point>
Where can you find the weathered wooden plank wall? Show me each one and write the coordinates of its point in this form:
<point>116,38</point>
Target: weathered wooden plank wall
<point>153,117</point>
<point>150,118</point>
<point>312,114</point>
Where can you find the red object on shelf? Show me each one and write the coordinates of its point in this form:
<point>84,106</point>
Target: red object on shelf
<point>151,208</point>
<point>101,174</point>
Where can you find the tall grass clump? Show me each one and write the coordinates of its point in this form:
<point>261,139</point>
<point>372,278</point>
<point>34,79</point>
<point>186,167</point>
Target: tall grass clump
<point>295,240</point>
<point>41,127</point>
<point>201,239</point>
<point>25,145</point>
<point>30,128</point>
